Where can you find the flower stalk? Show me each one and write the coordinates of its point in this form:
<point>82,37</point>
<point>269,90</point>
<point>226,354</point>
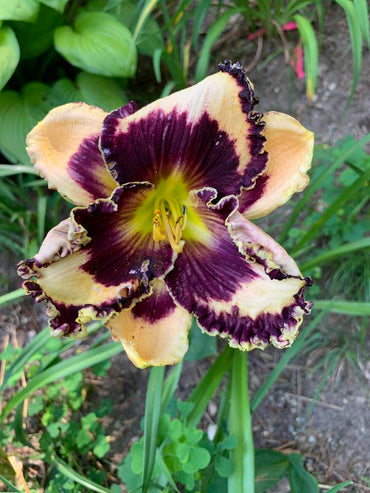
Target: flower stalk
<point>240,425</point>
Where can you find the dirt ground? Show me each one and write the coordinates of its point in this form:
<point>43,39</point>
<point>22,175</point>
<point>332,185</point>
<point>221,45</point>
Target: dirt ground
<point>334,439</point>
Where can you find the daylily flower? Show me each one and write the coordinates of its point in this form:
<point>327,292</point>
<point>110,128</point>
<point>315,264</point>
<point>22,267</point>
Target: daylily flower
<point>162,230</point>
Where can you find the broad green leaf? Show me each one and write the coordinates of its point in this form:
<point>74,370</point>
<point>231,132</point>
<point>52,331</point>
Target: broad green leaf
<point>224,466</point>
<point>19,113</point>
<point>100,91</point>
<point>300,480</point>
<point>35,38</point>
<point>9,54</point>
<point>58,5</point>
<point>362,12</point>
<point>19,10</point>
<point>271,466</point>
<point>99,44</point>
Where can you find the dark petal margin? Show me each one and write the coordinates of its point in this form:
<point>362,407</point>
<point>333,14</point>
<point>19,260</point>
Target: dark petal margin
<point>94,264</point>
<point>248,292</point>
<point>211,270</point>
<point>217,145</point>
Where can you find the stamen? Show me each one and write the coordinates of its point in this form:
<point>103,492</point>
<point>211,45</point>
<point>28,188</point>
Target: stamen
<point>168,222</point>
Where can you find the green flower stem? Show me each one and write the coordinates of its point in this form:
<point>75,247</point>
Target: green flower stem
<point>240,425</point>
<point>12,296</point>
<point>151,422</point>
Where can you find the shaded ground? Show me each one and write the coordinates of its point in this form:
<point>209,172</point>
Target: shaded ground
<point>333,438</point>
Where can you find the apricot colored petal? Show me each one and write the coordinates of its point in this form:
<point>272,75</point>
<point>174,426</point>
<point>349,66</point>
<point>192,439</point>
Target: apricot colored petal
<point>64,149</point>
<point>290,147</point>
<point>155,331</point>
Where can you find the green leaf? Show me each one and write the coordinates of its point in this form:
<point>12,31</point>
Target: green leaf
<point>198,458</point>
<point>271,466</point>
<point>193,435</point>
<point>61,370</point>
<point>35,38</point>
<point>83,438</point>
<point>242,456</point>
<point>151,423</point>
<point>201,345</point>
<point>338,487</point>
<point>311,51</point>
<point>100,91</point>
<point>101,446</point>
<point>58,5</point>
<point>19,10</point>
<point>70,473</point>
<point>356,42</point>
<point>352,308</point>
<point>9,54</point>
<point>98,44</point>
<point>19,113</point>
<point>207,387</point>
<point>213,33</point>
<point>362,13</point>
<point>224,466</point>
<point>228,443</point>
<point>300,480</point>
<point>149,37</point>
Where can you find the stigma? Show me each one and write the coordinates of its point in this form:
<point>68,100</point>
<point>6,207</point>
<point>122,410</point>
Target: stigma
<point>169,221</point>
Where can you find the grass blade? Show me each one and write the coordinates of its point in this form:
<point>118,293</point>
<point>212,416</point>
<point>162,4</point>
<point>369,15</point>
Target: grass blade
<point>356,42</point>
<point>151,422</point>
<point>349,193</point>
<point>335,253</point>
<point>14,295</point>
<point>213,33</point>
<point>199,16</point>
<point>208,386</point>
<point>239,425</point>
<point>363,18</point>
<point>311,53</point>
<point>352,308</point>
<point>61,370</point>
<point>16,169</point>
<point>9,484</point>
<point>319,181</point>
<point>170,385</point>
<point>301,342</point>
<point>70,473</point>
<point>338,487</point>
<point>145,12</point>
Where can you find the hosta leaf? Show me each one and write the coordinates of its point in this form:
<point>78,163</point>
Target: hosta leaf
<point>58,5</point>
<point>100,91</point>
<point>18,114</point>
<point>19,10</point>
<point>99,44</point>
<point>93,89</point>
<point>9,54</point>
<point>35,38</point>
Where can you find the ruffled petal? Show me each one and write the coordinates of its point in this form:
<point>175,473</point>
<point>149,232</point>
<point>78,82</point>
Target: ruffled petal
<point>240,285</point>
<point>205,133</point>
<point>155,331</point>
<point>64,149</point>
<point>96,263</point>
<point>290,147</point>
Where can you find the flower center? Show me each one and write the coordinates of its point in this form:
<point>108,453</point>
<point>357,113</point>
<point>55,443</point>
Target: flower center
<point>169,221</point>
<point>168,214</point>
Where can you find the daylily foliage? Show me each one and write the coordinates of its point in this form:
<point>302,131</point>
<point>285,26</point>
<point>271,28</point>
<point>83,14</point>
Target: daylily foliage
<point>161,230</point>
